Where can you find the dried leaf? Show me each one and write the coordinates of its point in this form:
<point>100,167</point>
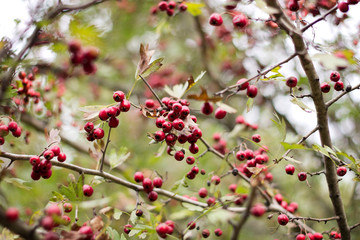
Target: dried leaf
<point>203,96</point>
<point>149,114</point>
<point>53,137</point>
<point>145,57</point>
<point>153,67</point>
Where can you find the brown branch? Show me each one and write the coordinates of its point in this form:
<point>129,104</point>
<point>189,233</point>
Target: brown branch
<point>354,226</point>
<point>153,92</point>
<point>325,220</point>
<point>315,173</point>
<point>104,151</point>
<point>321,109</point>
<point>319,19</point>
<point>334,100</point>
<point>19,227</point>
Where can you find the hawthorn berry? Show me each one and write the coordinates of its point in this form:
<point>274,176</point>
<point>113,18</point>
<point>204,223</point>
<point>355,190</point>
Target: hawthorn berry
<point>147,185</point>
<point>220,113</point>
<point>190,160</point>
<point>162,229</point>
<point>215,179</point>
<point>47,223</point>
<point>243,84</point>
<point>300,237</point>
<point>215,19</point>
<point>249,154</point>
<point>99,133</point>
<point>34,160</point>
<point>191,225</point>
<point>291,82</point>
<point>293,5</point>
<point>325,87</point>
<point>139,212</point>
<point>218,232</point>
<point>251,91</point>
<point>240,155</point>
<point>190,175</point>
<point>87,190</point>
<point>182,139</point>
<point>256,138</point>
<point>159,136</point>
<point>179,155</point>
<point>53,209</point>
<point>339,86</point>
<point>193,148</point>
<point>177,107</point>
<point>126,228</point>
<point>302,176</point>
<point>193,118</point>
<point>258,210</point>
<point>111,111</point>
<point>343,7</point>
<point>35,175</point>
<point>205,233</point>
<point>183,7</point>
<point>61,157</point>
<point>4,130</point>
<point>157,182</point>
<point>67,207</point>
<point>290,169</point>
<point>335,76</point>
<point>197,133</point>
<point>163,6</point>
<point>317,236</point>
<point>170,139</point>
<point>341,171</point>
<point>103,114</point>
<point>12,214</point>
<point>260,159</point>
<point>240,20</point>
<point>283,219</point>
<point>278,197</point>
<point>152,196</point>
<point>46,174</point>
<point>138,177</point>
<point>178,124</point>
<point>210,201</point>
<point>203,192</point>
<point>113,122</point>
<point>185,111</point>
<point>125,106</point>
<point>86,230</point>
<point>74,46</point>
<point>17,132</point>
<point>207,108</point>
<point>269,177</point>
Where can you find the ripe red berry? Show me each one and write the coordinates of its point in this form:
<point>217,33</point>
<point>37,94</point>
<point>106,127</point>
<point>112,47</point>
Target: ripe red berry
<point>126,228</point>
<point>61,157</point>
<point>183,7</point>
<point>220,113</point>
<point>159,122</point>
<point>291,82</point>
<point>88,190</point>
<point>269,177</point>
<point>207,108</point>
<point>138,177</point>
<point>240,20</point>
<point>74,46</point>
<point>317,236</point>
<point>159,136</point>
<point>17,132</point>
<point>258,210</point>
<point>152,196</point>
<point>12,214</point>
<point>240,155</point>
<point>47,223</point>
<point>118,96</point>
<point>86,230</point>
<point>22,75</point>
<point>179,155</point>
<point>215,179</point>
<point>148,185</point>
<point>185,111</point>
<point>162,229</point>
<point>343,7</point>
<point>211,201</point>
<point>197,133</point>
<point>339,86</point>
<point>249,154</point>
<point>34,160</point>
<point>215,19</point>
<point>341,171</point>
<point>103,114</point>
<point>218,232</point>
<point>203,192</point>
<point>190,160</point>
<point>55,149</point>
<point>157,182</point>
<point>191,225</point>
<point>163,6</point>
<point>335,76</point>
<point>113,122</point>
<point>251,91</point>
<point>205,233</point>
<point>182,138</point>
<point>89,67</point>
<point>256,138</point>
<point>244,84</point>
<point>302,176</point>
<point>178,124</point>
<point>283,219</point>
<point>325,87</point>
<point>300,237</point>
<point>48,154</point>
<point>89,126</point>
<point>193,118</point>
<point>290,169</point>
<point>125,106</point>
<point>293,5</point>
<point>53,209</point>
<point>149,103</point>
<point>278,198</point>
<point>12,126</point>
<point>4,130</point>
<point>193,148</point>
<point>139,212</point>
<point>232,187</point>
<point>35,175</point>
<point>170,139</point>
<point>99,133</point>
<point>67,207</point>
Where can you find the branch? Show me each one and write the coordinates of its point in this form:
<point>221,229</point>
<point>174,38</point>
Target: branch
<point>325,220</point>
<point>19,227</point>
<point>104,152</point>
<point>354,226</point>
<point>334,100</point>
<point>321,109</point>
<point>319,19</point>
<point>153,92</point>
<point>258,75</point>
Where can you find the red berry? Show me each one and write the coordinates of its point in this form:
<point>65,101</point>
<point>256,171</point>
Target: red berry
<point>215,19</point>
<point>126,228</point>
<point>325,87</point>
<point>157,182</point>
<point>218,232</point>
<point>53,209</point>
<point>193,148</point>
<point>220,113</point>
<point>22,75</point>
<point>278,198</point>
<point>48,154</point>
<point>162,229</point>
<point>291,82</point>
<point>293,5</point>
<point>99,133</point>
<point>113,122</point>
<point>317,236</point>
<point>172,5</point>
<point>190,160</point>
<point>341,171</point>
<point>249,154</point>
<point>170,139</point>
<point>203,192</point>
<point>12,214</point>
<point>191,225</point>
<point>177,107</point>
<point>34,160</point>
<point>343,7</point>
<point>339,86</point>
<point>86,230</point>
<point>35,176</point>
<point>91,53</point>
<point>183,7</point>
<point>67,219</point>
<point>300,237</point>
<point>89,68</point>
<point>74,46</point>
<point>149,103</point>
<point>240,20</point>
<point>111,111</point>
<point>103,114</point>
<point>159,122</point>
<point>88,190</point>
<point>47,223</point>
<point>205,233</point>
<point>159,136</point>
<point>67,207</point>
<point>244,84</point>
<point>258,210</point>
<point>166,126</point>
<point>152,196</point>
<point>193,118</point>
<point>215,179</point>
<point>335,76</point>
<point>17,132</point>
<point>125,105</point>
<point>269,177</point>
<point>290,169</point>
<point>47,174</point>
<point>256,138</point>
<point>178,124</point>
<point>207,108</point>
<point>240,119</point>
<point>138,177</point>
<point>182,139</point>
<point>179,155</point>
<point>55,149</point>
<point>118,96</point>
<point>61,157</point>
<point>240,155</point>
<point>185,111</point>
<point>148,185</point>
<point>197,133</point>
<point>283,219</point>
<point>4,130</point>
<point>302,176</point>
<point>163,6</point>
<point>353,2</point>
<point>210,201</point>
<point>139,212</point>
<point>232,187</point>
<point>252,91</point>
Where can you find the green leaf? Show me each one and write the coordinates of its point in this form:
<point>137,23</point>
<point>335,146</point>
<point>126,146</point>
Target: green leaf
<point>123,237</point>
<point>79,186</point>
<point>288,146</point>
<point>133,217</point>
<point>68,193</point>
<point>327,148</point>
<point>88,34</point>
<point>57,196</point>
<point>153,67</point>
<point>17,182</point>
<point>302,105</point>
<point>59,47</point>
<point>10,92</point>
<point>281,126</point>
<point>249,104</point>
<point>329,61</point>
<point>117,214</point>
<point>192,207</point>
<point>194,8</point>
<point>290,159</point>
<point>118,158</point>
<point>320,149</point>
<point>350,157</point>
<point>113,234</point>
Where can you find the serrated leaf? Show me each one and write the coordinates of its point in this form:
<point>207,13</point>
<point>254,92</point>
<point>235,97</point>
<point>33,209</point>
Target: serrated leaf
<point>153,67</point>
<point>118,158</point>
<point>320,149</point>
<point>17,182</point>
<point>88,34</point>
<point>281,126</point>
<point>117,214</point>
<point>249,104</point>
<point>302,105</point>
<point>351,158</point>
<point>226,107</point>
<point>58,196</point>
<point>288,146</point>
<point>68,193</point>
<point>192,207</point>
<point>194,8</point>
<point>290,159</point>
<point>145,57</point>
<point>79,186</point>
<point>329,61</point>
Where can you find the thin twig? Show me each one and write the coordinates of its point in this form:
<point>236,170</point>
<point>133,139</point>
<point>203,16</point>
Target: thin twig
<point>354,226</point>
<point>319,19</point>
<point>315,219</point>
<point>153,92</point>
<point>315,173</point>
<point>104,152</point>
<point>334,100</point>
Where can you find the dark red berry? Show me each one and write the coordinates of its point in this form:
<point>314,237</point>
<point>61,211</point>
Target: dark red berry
<point>302,176</point>
<point>339,86</point>
<point>12,214</point>
<point>258,210</point>
<point>179,155</point>
<point>190,160</point>
<point>182,139</point>
<point>207,108</point>
<point>118,96</point>
<point>335,76</point>
<point>147,185</point>
<point>300,237</point>
<point>103,114</point>
<point>172,116</point>
<point>17,132</point>
<point>47,223</point>
<point>162,229</point>
<point>125,105</point>
<point>325,87</point>
<point>211,201</point>
<point>86,230</point>
<point>99,133</point>
<point>159,136</point>
<point>177,107</point>
<point>56,150</point>
<point>252,91</point>
<point>4,130</point>
<point>220,113</point>
<point>256,138</point>
<point>185,111</point>
<point>341,171</point>
<point>12,126</point>
<point>240,20</point>
<point>88,190</point>
<point>138,177</point>
<point>157,182</point>
<point>178,124</point>
<point>218,232</point>
<point>343,7</point>
<point>215,179</point>
<point>205,233</point>
<point>244,84</point>
<point>34,160</point>
<point>163,6</point>
<point>293,5</point>
<point>203,192</point>
<point>61,157</point>
<point>139,212</point>
<point>215,19</point>
<point>291,82</point>
<point>183,7</point>
<point>197,133</point>
<point>167,126</point>
<point>290,169</point>
<point>74,46</point>
<point>191,225</point>
<point>67,207</point>
<point>113,122</point>
<point>48,154</point>
<point>53,209</point>
<point>193,148</point>
<point>22,75</point>
<point>159,122</point>
<point>149,103</point>
<point>283,219</point>
<point>153,196</point>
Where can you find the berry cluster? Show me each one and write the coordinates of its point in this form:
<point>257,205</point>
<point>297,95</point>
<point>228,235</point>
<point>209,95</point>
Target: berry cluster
<point>42,168</point>
<point>27,87</point>
<point>253,159</point>
<point>108,114</point>
<point>344,6</point>
<point>334,77</point>
<point>241,120</point>
<point>85,57</point>
<point>12,127</point>
<point>251,90</point>
<point>169,7</point>
<point>290,207</point>
<point>220,143</point>
<point>207,109</point>
<point>149,185</point>
<point>239,19</point>
<point>165,228</point>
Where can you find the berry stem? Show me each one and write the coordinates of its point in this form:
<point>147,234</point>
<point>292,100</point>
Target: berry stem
<point>152,91</point>
<point>104,152</point>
